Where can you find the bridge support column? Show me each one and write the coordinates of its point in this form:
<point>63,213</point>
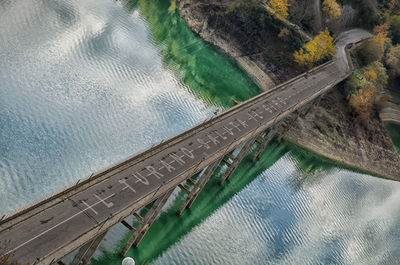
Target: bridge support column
<point>198,186</point>
<point>236,160</point>
<point>86,251</point>
<point>266,139</point>
<point>301,111</point>
<point>147,221</point>
<point>314,103</point>
<point>291,122</point>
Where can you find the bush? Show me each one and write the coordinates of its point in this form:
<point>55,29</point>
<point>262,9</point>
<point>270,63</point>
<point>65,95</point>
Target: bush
<point>367,12</point>
<point>394,29</point>
<point>393,61</point>
<point>369,52</point>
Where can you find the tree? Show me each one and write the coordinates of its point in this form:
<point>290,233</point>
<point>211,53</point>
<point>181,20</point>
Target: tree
<point>332,9</point>
<point>284,34</point>
<point>362,100</point>
<point>374,49</point>
<point>369,52</point>
<point>280,7</point>
<point>381,75</point>
<point>370,75</point>
<point>393,61</point>
<point>381,33</point>
<point>363,96</point>
<point>315,50</point>
<point>395,29</point>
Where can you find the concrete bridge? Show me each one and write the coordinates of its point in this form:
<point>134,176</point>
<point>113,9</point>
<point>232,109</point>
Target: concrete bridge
<point>80,215</point>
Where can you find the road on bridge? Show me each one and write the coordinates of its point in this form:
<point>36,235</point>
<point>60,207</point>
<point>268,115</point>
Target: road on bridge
<point>46,232</point>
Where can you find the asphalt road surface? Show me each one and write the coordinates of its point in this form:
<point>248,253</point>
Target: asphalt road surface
<point>54,230</point>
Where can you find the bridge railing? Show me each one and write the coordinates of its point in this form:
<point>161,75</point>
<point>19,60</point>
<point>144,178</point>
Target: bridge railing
<point>17,216</point>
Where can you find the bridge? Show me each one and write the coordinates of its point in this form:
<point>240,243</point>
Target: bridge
<point>80,215</point>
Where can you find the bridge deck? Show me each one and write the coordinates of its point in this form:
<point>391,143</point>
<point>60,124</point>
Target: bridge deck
<point>53,228</point>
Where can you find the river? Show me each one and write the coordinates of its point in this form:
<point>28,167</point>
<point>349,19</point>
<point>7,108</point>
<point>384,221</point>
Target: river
<point>87,83</point>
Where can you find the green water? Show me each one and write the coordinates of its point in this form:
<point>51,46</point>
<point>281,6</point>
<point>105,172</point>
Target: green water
<point>394,131</point>
<point>217,79</point>
<point>169,227</point>
<point>87,83</point>
<point>207,71</point>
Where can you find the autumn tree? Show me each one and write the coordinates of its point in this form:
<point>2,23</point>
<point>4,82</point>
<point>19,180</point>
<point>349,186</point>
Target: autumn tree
<point>365,95</point>
<point>362,100</point>
<point>315,50</point>
<point>280,7</point>
<point>393,61</point>
<point>373,50</point>
<point>371,76</point>
<point>381,75</point>
<point>284,34</point>
<point>332,9</point>
<point>381,33</point>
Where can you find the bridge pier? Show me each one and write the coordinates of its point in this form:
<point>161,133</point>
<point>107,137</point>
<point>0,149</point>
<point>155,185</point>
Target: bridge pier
<point>236,160</point>
<point>300,111</point>
<point>291,122</point>
<point>87,251</point>
<point>266,139</point>
<point>146,222</point>
<point>198,186</point>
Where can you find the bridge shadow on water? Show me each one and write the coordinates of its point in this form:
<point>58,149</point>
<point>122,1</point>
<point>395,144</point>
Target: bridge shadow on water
<point>169,228</point>
<point>185,54</point>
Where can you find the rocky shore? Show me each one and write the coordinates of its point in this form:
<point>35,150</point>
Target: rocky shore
<point>329,128</point>
<point>218,23</point>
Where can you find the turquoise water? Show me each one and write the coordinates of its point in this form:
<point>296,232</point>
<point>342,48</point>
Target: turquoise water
<point>394,131</point>
<point>87,83</point>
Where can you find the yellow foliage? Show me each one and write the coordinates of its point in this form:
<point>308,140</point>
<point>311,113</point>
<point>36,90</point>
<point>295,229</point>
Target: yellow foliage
<point>172,7</point>
<point>332,8</point>
<point>280,7</point>
<point>318,48</point>
<point>371,76</point>
<point>363,100</point>
<point>381,33</point>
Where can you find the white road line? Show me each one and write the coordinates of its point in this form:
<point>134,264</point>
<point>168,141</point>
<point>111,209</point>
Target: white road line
<point>48,230</point>
<point>127,186</point>
<point>107,204</point>
<point>89,207</point>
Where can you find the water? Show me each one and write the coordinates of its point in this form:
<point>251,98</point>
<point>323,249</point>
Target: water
<point>87,83</point>
<point>84,84</point>
<point>394,131</point>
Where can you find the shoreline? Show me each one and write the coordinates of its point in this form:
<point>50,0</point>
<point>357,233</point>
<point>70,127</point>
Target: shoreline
<point>340,163</point>
<point>260,74</point>
<point>347,143</point>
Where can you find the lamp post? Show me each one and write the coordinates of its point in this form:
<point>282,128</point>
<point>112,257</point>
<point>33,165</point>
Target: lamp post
<point>128,261</point>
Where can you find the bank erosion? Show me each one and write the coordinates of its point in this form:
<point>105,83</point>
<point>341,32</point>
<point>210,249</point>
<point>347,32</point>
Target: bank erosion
<point>329,128</point>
